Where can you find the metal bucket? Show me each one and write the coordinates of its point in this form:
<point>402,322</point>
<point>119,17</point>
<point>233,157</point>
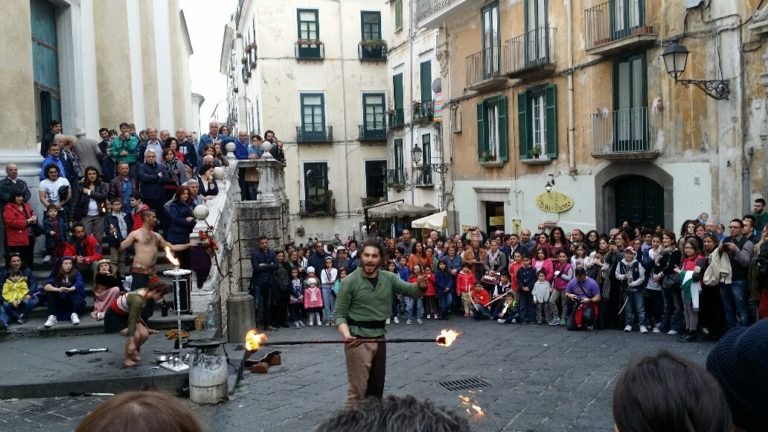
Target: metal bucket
<point>208,379</point>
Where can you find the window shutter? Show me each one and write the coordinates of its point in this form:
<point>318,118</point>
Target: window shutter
<point>551,113</point>
<point>398,90</point>
<point>522,124</point>
<point>425,73</point>
<point>503,133</point>
<point>482,135</point>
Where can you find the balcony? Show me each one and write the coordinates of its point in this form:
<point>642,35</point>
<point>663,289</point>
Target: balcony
<point>396,179</point>
<point>396,118</point>
<point>622,135</point>
<point>433,13</point>
<point>317,207</point>
<point>618,26</point>
<point>309,50</point>
<point>422,177</point>
<point>372,133</point>
<point>484,72</point>
<point>314,135</point>
<point>424,111</point>
<point>372,51</point>
<point>530,55</point>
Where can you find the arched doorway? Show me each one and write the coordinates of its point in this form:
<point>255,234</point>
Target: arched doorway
<point>638,200</point>
<point>640,192</point>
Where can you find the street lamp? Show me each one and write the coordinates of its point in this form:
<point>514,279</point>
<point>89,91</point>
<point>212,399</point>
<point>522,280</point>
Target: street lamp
<point>675,58</point>
<point>416,155</point>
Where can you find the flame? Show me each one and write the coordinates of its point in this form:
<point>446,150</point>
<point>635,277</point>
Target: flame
<point>253,340</point>
<point>472,407</point>
<point>169,255</point>
<point>447,336</point>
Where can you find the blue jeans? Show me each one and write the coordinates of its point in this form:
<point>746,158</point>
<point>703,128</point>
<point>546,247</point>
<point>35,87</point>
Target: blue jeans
<point>527,308</point>
<point>329,302</point>
<point>672,315</point>
<point>409,303</point>
<point>635,305</point>
<point>444,303</point>
<point>481,312</point>
<point>735,303</point>
<point>8,313</point>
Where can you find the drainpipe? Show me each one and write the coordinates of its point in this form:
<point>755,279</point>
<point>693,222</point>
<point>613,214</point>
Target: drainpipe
<point>344,111</point>
<point>410,90</point>
<point>571,145</point>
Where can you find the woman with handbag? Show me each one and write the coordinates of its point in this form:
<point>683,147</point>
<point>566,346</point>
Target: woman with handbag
<point>666,260</point>
<point>20,227</point>
<point>711,314</point>
<point>693,263</point>
<point>91,205</point>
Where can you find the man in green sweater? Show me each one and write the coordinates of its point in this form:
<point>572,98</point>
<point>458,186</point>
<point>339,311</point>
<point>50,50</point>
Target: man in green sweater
<point>363,305</point>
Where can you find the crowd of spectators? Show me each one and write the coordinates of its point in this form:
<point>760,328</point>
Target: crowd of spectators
<point>93,194</point>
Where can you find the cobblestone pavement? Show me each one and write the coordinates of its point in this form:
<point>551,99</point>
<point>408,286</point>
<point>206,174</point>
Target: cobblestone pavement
<point>541,379</point>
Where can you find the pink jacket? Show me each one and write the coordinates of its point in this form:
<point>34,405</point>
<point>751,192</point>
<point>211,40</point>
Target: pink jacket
<point>313,298</point>
<point>547,266</point>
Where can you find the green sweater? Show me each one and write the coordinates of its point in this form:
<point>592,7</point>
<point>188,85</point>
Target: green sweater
<point>360,301</point>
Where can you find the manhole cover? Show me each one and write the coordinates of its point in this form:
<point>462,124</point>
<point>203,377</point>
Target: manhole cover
<point>464,384</point>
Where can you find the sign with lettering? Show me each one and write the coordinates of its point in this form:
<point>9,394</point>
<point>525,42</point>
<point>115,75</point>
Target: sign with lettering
<point>554,202</point>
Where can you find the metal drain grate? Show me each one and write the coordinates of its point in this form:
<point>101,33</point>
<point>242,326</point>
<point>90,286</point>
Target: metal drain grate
<point>464,384</point>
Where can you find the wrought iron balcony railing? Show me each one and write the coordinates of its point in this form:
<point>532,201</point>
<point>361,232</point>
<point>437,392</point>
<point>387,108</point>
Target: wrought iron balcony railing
<point>618,21</point>
<point>372,51</point>
<point>372,133</point>
<point>622,134</point>
<point>396,118</point>
<point>312,134</point>
<point>529,52</point>
<point>318,206</point>
<point>423,111</point>
<point>309,50</point>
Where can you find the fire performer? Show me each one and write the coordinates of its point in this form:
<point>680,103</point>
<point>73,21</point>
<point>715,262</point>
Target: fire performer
<point>363,305</point>
<point>124,317</point>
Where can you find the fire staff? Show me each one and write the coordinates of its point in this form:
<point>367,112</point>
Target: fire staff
<point>362,307</point>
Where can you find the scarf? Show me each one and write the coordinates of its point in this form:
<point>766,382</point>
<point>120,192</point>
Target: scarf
<point>493,258</point>
<point>173,170</point>
<point>662,252</point>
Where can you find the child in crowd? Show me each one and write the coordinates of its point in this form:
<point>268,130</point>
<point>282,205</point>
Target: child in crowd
<point>480,299</point>
<point>55,228</point>
<point>392,268</point>
<point>443,288</point>
<point>337,285</point>
<point>313,301</point>
<point>117,226</point>
<point>296,298</point>
<point>503,288</point>
<point>430,296</point>
<point>541,291</point>
<point>580,258</point>
<point>631,275</point>
<point>310,275</point>
<point>563,273</point>
<point>412,304</point>
<point>526,277</point>
<point>465,280</point>
<point>106,287</point>
<point>328,278</point>
<point>402,269</point>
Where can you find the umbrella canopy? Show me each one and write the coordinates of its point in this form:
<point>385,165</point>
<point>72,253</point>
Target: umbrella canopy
<point>400,210</point>
<point>435,221</point>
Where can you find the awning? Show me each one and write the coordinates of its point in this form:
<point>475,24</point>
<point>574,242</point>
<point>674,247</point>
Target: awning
<point>435,221</point>
<point>400,210</point>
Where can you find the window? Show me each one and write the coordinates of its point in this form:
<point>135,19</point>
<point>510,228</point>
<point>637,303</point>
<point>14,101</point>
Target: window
<point>375,178</point>
<point>309,25</point>
<point>371,24</point>
<point>626,15</point>
<point>536,33</point>
<point>312,113</point>
<point>492,135</point>
<point>398,115</point>
<point>426,160</point>
<point>537,115</point>
<point>491,40</point>
<point>630,104</point>
<point>399,175</point>
<point>398,15</point>
<point>373,112</point>
<point>317,196</point>
<point>426,81</point>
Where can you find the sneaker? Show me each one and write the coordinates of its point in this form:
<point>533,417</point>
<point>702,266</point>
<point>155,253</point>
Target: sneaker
<point>74,318</point>
<point>672,332</point>
<point>301,323</point>
<point>514,320</point>
<point>656,329</point>
<point>409,322</point>
<point>628,328</point>
<point>51,321</point>
<point>643,329</point>
<point>386,322</point>
<point>20,319</point>
<point>47,259</point>
<point>553,322</point>
<point>562,322</point>
<point>500,321</point>
<point>420,321</point>
<point>311,323</point>
<point>396,320</point>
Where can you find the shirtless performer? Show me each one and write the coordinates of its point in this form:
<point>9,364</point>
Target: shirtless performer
<point>146,243</point>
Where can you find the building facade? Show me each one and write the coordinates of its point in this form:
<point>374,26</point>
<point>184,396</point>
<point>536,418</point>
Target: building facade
<point>315,73</point>
<point>575,96</point>
<point>415,85</point>
<point>89,64</point>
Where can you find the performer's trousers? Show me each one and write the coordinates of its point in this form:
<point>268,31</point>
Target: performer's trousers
<point>366,370</point>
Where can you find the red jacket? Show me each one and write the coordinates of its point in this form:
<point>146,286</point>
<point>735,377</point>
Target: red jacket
<point>137,216</point>
<point>92,249</point>
<point>465,282</point>
<point>481,297</point>
<point>16,229</point>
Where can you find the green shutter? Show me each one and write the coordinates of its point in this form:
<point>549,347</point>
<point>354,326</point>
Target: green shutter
<point>503,133</point>
<point>426,81</point>
<point>522,125</point>
<point>482,133</point>
<point>551,113</point>
<point>398,85</point>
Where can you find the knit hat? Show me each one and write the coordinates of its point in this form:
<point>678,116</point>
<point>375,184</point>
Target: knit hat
<point>740,365</point>
<point>630,250</point>
<point>310,269</point>
<point>311,281</point>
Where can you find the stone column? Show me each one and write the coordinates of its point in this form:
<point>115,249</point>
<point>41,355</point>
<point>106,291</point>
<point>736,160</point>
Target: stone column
<point>113,63</point>
<point>149,66</point>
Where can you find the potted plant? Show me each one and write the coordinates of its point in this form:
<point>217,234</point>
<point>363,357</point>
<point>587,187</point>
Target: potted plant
<point>534,152</point>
